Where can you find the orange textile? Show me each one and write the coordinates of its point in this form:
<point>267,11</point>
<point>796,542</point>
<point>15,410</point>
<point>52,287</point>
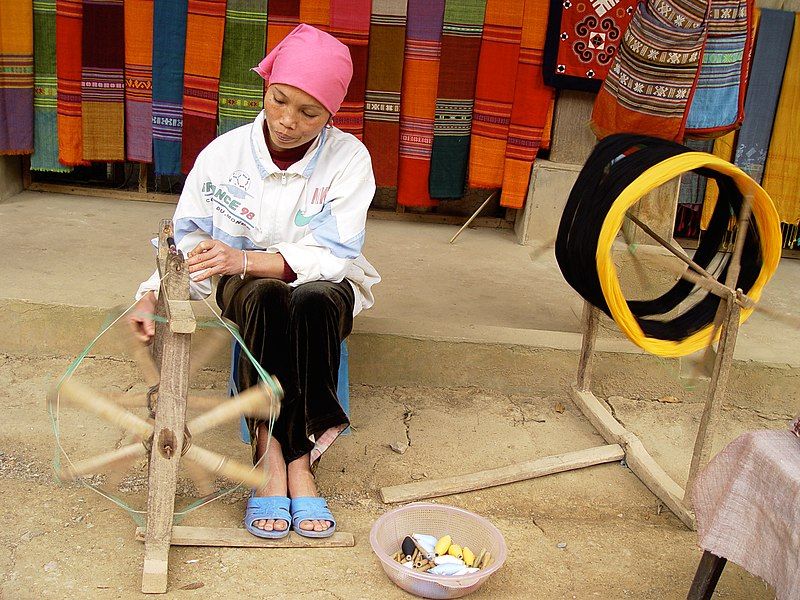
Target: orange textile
<point>532,101</point>
<point>69,28</point>
<point>494,92</point>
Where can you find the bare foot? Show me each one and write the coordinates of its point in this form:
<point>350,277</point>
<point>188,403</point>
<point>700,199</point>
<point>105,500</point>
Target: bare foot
<point>277,483</point>
<point>301,484</point>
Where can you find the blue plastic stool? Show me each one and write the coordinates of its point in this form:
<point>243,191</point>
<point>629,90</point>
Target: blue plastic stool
<point>342,390</point>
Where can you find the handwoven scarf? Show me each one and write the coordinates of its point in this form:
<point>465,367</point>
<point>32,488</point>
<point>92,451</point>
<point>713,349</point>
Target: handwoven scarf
<point>45,155</point>
<point>782,171</point>
<point>241,91</point>
<point>693,186</point>
<point>769,62</point>
<point>316,13</point>
<point>169,41</point>
<point>418,108</point>
<point>283,17</point>
<point>16,77</point>
<point>205,30</point>
<point>461,43</point>
<point>494,91</point>
<point>69,25</point>
<point>139,80</point>
<point>648,88</point>
<point>582,40</point>
<point>350,25</point>
<point>532,100</point>
<point>723,147</point>
<point>103,80</point>
<point>717,105</point>
<point>387,34</point>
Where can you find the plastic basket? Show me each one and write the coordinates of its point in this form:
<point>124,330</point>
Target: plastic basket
<point>466,529</point>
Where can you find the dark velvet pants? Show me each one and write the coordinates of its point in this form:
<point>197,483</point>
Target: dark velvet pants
<point>295,334</point>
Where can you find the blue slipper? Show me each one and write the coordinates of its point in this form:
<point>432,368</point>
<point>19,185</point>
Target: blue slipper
<point>269,507</point>
<point>310,508</point>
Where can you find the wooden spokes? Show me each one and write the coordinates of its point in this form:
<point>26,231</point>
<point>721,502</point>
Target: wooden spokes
<point>116,459</point>
<point>256,401</point>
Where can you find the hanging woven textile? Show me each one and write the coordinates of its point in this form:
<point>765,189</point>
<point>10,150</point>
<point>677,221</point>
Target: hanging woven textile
<point>169,41</point>
<point>782,171</point>
<point>494,92</point>
<point>316,13</point>
<point>532,99</point>
<point>350,25</point>
<point>648,88</point>
<point>717,105</point>
<point>620,171</point>
<point>723,148</point>
<point>139,80</point>
<point>461,44</point>
<point>283,16</point>
<point>241,91</point>
<point>103,80</point>
<point>418,107</point>
<point>769,62</point>
<point>387,35</point>
<point>69,27</point>
<point>16,77</point>
<point>45,155</point>
<point>205,30</point>
<point>582,40</point>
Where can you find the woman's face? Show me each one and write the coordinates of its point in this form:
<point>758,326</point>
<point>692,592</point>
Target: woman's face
<point>293,117</point>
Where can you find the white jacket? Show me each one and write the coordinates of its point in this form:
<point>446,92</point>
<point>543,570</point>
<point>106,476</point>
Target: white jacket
<point>314,213</point>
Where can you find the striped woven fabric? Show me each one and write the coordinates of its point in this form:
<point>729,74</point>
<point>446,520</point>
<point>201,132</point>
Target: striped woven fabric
<point>418,108</point>
<point>103,80</point>
<point>16,77</point>
<point>763,90</point>
<point>494,92</point>
<point>283,17</point>
<point>532,99</point>
<point>649,86</point>
<point>382,97</point>
<point>241,91</point>
<point>169,42</point>
<point>350,24</point>
<point>45,138</point>
<point>69,27</point>
<point>205,30</point>
<point>717,105</point>
<point>316,13</point>
<point>139,80</point>
<point>782,172</point>
<point>461,43</point>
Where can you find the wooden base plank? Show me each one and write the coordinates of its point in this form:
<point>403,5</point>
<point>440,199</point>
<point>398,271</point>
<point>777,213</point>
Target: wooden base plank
<point>503,475</point>
<point>230,537</point>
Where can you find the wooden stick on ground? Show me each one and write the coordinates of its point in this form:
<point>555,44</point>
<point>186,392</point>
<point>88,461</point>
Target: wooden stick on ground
<point>241,538</point>
<point>472,218</point>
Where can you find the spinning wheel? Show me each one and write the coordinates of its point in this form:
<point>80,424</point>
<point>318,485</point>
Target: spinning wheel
<point>167,437</point>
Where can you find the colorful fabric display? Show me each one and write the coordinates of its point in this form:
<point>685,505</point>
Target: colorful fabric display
<point>418,108</point>
<point>283,16</point>
<point>461,43</point>
<point>717,105</point>
<point>69,27</point>
<point>16,77</point>
<point>782,171</point>
<point>582,40</point>
<point>205,30</point>
<point>139,80</point>
<point>769,61</point>
<point>350,25</point>
<point>382,96</point>
<point>241,91</point>
<point>45,138</point>
<point>648,88</point>
<point>532,99</point>
<point>169,42</point>
<point>316,13</point>
<point>494,91</point>
<point>103,80</point>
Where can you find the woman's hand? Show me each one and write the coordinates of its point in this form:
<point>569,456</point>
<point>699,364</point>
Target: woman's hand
<point>142,326</point>
<point>215,258</point>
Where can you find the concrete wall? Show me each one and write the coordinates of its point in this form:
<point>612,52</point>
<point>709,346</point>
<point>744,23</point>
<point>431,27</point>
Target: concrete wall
<point>10,176</point>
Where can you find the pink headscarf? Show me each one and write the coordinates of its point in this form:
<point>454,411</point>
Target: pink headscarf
<point>313,61</point>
